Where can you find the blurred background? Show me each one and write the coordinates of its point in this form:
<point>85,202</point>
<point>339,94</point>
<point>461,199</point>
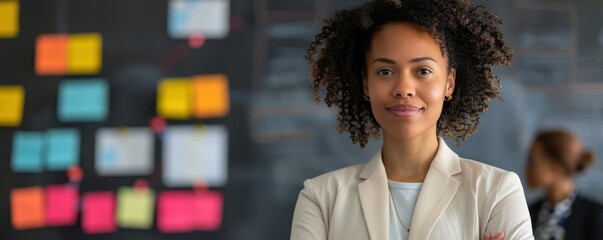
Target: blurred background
<point>176,109</point>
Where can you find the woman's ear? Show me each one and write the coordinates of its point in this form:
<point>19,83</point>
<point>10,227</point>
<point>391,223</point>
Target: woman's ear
<point>450,82</point>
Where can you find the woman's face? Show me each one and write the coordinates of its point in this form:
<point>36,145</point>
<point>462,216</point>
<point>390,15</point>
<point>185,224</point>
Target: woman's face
<point>406,79</point>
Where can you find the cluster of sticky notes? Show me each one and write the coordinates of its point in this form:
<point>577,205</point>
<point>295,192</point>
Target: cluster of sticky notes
<point>56,149</point>
<point>124,151</point>
<point>184,211</point>
<point>193,154</point>
<point>11,105</point>
<point>135,207</point>
<point>203,96</point>
<point>61,54</point>
<point>207,17</point>
<point>34,207</point>
<point>83,100</point>
<point>9,18</point>
<point>103,212</point>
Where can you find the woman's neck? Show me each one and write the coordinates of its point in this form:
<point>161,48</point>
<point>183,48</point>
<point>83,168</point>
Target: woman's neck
<point>560,190</point>
<point>408,160</point>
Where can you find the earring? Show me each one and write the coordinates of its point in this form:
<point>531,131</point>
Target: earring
<point>367,98</point>
<point>447,98</point>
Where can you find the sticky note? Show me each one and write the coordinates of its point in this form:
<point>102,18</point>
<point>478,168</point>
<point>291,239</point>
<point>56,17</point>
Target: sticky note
<point>11,105</point>
<point>98,212</point>
<point>192,154</point>
<point>27,152</point>
<point>124,151</point>
<point>174,211</point>
<point>84,53</point>
<point>210,18</point>
<point>208,209</point>
<point>27,208</point>
<point>51,54</point>
<point>9,19</point>
<point>174,100</point>
<point>61,205</point>
<point>62,149</point>
<point>83,100</point>
<point>135,207</point>
<point>210,94</point>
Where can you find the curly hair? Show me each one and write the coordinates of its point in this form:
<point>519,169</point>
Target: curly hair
<point>468,36</point>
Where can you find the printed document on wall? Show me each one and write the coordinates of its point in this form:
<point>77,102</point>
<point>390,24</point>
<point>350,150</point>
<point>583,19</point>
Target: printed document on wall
<point>195,154</point>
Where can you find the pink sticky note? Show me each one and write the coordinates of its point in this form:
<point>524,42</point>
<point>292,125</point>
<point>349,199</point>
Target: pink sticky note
<point>174,213</point>
<point>208,210</point>
<point>61,205</point>
<point>98,213</point>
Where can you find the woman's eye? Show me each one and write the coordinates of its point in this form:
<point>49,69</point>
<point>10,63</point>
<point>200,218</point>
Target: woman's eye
<point>385,72</point>
<point>424,71</point>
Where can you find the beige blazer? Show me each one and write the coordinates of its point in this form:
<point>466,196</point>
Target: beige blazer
<point>459,199</point>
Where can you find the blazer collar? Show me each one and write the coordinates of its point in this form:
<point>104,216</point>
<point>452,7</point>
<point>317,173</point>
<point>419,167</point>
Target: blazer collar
<point>436,193</point>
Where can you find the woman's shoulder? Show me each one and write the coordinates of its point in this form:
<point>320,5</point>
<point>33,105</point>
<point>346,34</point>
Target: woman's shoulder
<point>488,177</point>
<point>338,178</point>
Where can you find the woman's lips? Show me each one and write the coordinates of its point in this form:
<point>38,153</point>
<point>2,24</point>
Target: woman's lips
<point>404,110</point>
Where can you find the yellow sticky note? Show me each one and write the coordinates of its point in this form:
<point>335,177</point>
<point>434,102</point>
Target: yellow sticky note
<point>85,53</point>
<point>174,98</point>
<point>11,105</point>
<point>211,98</point>
<point>9,19</point>
<point>135,207</point>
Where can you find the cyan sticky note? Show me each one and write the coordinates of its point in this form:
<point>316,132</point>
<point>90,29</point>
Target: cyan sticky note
<point>63,148</point>
<point>83,100</point>
<point>27,152</point>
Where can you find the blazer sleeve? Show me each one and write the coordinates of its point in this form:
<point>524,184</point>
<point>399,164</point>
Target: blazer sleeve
<point>308,221</point>
<point>510,213</point>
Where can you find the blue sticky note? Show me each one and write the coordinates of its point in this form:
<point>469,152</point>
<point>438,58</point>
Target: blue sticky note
<point>63,148</point>
<point>83,100</point>
<point>27,152</point>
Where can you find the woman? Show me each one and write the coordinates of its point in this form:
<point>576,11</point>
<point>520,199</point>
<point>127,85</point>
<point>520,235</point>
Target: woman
<point>408,70</point>
<point>556,157</point>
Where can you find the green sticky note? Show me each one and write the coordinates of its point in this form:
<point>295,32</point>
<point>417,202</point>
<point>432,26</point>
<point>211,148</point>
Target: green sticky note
<point>63,148</point>
<point>27,152</point>
<point>135,208</point>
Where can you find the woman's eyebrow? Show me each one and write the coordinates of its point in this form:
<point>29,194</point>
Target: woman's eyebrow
<point>414,60</point>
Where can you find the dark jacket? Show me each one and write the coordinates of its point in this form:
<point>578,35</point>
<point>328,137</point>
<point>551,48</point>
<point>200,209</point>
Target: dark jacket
<point>585,221</point>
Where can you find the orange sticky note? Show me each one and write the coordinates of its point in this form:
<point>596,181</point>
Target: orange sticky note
<point>11,105</point>
<point>51,54</point>
<point>210,96</point>
<point>174,98</point>
<point>9,19</point>
<point>85,53</point>
<point>27,206</point>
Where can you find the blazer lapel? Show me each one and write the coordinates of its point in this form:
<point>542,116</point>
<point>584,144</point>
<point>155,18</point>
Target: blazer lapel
<point>436,193</point>
<point>373,192</point>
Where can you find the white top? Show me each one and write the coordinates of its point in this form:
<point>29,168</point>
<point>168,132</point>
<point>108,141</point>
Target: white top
<point>402,201</point>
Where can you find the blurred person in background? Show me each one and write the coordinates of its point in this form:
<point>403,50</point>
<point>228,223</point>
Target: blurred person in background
<point>555,158</point>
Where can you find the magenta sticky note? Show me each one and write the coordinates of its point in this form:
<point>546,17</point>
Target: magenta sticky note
<point>98,212</point>
<point>61,205</point>
<point>208,210</point>
<point>174,211</point>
